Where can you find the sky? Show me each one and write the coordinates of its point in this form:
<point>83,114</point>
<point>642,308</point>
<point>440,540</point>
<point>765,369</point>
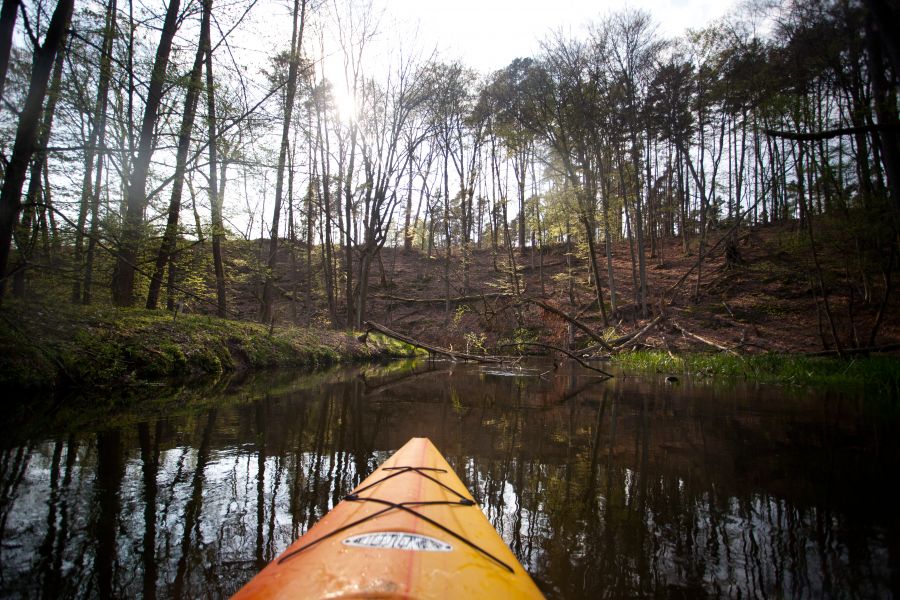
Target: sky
<point>489,34</point>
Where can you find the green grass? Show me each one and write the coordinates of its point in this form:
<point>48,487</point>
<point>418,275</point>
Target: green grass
<point>43,346</point>
<point>876,376</point>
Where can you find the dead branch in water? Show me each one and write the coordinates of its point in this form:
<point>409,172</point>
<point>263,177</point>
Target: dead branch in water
<point>567,353</point>
<point>430,347</point>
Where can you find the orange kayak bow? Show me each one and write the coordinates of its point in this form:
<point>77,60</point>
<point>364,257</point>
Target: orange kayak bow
<point>410,530</point>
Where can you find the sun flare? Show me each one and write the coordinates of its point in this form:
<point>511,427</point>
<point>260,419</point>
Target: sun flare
<point>345,102</point>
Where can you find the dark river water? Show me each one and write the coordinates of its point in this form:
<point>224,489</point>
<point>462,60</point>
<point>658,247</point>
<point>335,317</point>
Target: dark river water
<point>629,487</point>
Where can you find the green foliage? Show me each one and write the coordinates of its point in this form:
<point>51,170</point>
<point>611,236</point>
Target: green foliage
<point>393,347</point>
<point>42,347</point>
<point>520,337</point>
<point>877,377</point>
<point>460,312</point>
<point>475,342</point>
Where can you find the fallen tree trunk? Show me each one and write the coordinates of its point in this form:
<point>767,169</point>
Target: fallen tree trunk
<point>633,337</point>
<point>630,337</point>
<point>851,351</point>
<point>708,342</point>
<point>431,348</point>
<point>456,300</point>
<point>552,309</point>
<point>567,353</point>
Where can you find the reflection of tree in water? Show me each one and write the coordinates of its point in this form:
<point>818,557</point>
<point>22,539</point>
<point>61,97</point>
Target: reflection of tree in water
<point>617,489</point>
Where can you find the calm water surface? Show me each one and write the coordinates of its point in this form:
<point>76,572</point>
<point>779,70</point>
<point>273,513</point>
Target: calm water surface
<point>631,487</point>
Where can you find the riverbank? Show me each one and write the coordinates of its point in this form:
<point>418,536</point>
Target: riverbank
<point>875,377</point>
<point>45,346</point>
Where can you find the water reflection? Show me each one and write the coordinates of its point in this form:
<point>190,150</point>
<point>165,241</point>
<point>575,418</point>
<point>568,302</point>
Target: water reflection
<point>629,487</point>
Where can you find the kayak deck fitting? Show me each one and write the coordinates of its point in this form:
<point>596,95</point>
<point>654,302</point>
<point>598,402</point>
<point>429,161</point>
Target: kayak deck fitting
<point>410,530</point>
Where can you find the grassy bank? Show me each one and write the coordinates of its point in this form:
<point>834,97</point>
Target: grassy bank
<point>876,375</point>
<point>44,346</point>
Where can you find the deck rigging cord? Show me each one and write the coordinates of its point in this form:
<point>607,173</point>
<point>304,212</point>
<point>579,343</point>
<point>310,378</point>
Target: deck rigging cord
<point>405,507</point>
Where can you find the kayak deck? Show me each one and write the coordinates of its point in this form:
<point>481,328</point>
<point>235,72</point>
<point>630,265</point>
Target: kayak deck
<point>410,530</point>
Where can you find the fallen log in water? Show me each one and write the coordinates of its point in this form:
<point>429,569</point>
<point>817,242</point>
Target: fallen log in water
<point>430,347</point>
<point>567,353</point>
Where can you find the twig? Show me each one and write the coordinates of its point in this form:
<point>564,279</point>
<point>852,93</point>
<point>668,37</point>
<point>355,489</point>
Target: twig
<point>725,304</point>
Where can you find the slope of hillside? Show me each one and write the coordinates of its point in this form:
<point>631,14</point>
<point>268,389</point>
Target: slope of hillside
<point>759,293</point>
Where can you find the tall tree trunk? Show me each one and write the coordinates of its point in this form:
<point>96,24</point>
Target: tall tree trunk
<point>136,196</point>
<point>95,217</point>
<point>607,241</point>
<point>407,227</point>
<point>885,99</point>
<point>216,186</point>
<point>324,146</point>
<point>347,183</point>
<point>588,223</point>
<point>808,210</point>
<point>519,161</point>
<point>34,193</point>
<point>447,238</point>
<point>639,223</point>
<point>191,97</point>
<point>7,26</point>
<point>98,132</point>
<point>268,300</point>
<point>27,131</point>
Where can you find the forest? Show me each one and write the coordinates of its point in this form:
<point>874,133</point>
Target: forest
<point>158,156</point>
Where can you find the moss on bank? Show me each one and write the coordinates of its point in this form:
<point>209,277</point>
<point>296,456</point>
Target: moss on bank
<point>876,375</point>
<point>44,346</point>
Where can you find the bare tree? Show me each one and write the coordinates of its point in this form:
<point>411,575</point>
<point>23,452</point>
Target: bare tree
<point>136,194</point>
<point>267,311</point>
<point>90,186</point>
<point>7,25</point>
<point>27,130</point>
<point>192,96</point>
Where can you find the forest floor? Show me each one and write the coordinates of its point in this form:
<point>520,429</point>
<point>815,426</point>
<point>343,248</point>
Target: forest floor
<point>765,296</point>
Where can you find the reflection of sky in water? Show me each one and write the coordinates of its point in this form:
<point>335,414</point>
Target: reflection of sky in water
<point>630,487</point>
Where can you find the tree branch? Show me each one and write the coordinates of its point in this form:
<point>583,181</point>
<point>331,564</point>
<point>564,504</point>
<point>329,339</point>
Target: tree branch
<point>431,348</point>
<point>831,133</point>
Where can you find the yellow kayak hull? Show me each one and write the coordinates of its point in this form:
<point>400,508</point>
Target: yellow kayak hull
<point>410,530</point>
